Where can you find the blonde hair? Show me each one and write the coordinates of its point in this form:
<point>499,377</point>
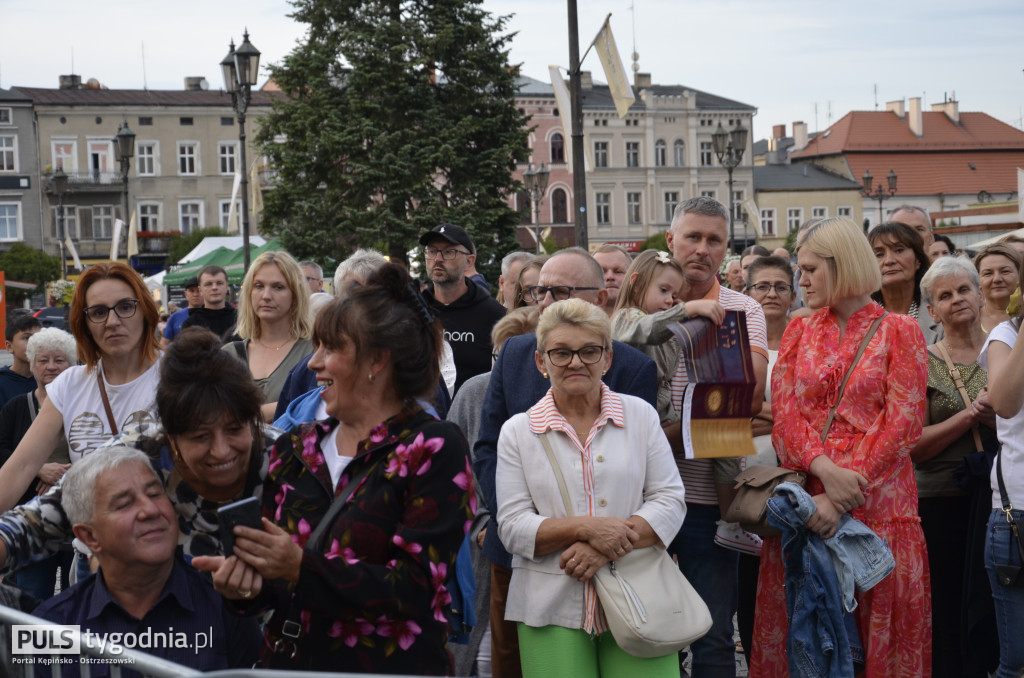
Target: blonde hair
<point>249,322</point>
<point>574,313</point>
<point>517,321</point>
<point>645,266</point>
<point>851,268</point>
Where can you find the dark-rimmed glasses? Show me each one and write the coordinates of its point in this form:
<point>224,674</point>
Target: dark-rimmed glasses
<point>447,255</point>
<point>558,292</point>
<point>588,355</point>
<point>763,288</point>
<point>124,309</point>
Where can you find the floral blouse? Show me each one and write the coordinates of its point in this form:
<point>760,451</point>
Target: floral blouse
<point>374,599</point>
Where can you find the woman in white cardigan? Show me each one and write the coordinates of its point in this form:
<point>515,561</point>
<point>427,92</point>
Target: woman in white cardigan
<point>623,485</point>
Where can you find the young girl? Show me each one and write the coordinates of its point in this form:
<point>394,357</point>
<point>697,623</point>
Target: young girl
<point>648,303</point>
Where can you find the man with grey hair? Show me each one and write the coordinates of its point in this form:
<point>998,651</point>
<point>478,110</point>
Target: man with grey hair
<point>698,239</point>
<point>144,593</point>
<point>515,386</point>
<point>511,264</point>
<point>314,276</point>
<point>357,267</point>
<point>916,218</point>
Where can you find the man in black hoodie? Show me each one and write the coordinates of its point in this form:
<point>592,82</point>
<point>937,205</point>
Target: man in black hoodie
<point>466,309</point>
<point>216,314</point>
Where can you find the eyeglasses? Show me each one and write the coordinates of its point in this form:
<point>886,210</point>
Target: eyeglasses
<point>447,255</point>
<point>560,357</point>
<point>309,279</point>
<point>124,309</point>
<point>558,292</point>
<point>763,288</point>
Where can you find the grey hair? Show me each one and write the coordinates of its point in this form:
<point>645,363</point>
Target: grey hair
<point>913,208</point>
<point>513,257</point>
<point>78,494</point>
<point>313,265</point>
<point>702,204</point>
<point>944,267</point>
<point>360,264</point>
<point>52,339</point>
<point>596,271</point>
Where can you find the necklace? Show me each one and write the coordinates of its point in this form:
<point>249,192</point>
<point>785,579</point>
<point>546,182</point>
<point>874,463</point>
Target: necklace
<point>275,348</point>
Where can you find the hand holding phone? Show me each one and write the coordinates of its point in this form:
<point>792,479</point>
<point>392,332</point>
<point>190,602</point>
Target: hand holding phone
<point>243,512</point>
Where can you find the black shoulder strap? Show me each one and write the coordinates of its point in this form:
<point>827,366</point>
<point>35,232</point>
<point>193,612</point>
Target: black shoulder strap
<point>240,350</point>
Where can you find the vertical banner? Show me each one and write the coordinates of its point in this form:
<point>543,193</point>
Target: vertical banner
<point>233,213</point>
<point>133,238</point>
<point>3,304</point>
<point>74,253</point>
<point>115,239</point>
<point>618,83</point>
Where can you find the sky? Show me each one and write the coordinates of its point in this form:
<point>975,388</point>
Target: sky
<point>807,60</point>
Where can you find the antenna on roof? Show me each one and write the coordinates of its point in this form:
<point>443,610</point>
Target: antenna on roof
<point>876,96</point>
<point>829,112</point>
<point>636,56</point>
<point>816,128</point>
<point>72,60</point>
<point>145,84</point>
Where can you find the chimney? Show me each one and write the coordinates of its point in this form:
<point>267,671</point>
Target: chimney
<point>916,125</point>
<point>951,107</point>
<point>586,80</point>
<point>896,107</point>
<point>778,132</point>
<point>194,83</point>
<point>71,82</point>
<point>799,135</point>
<point>642,80</point>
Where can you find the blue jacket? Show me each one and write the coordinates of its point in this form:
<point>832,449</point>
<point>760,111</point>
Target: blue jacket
<point>823,638</point>
<point>516,386</point>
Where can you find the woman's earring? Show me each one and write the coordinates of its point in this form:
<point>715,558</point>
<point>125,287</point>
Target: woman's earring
<point>371,377</point>
<point>544,374</point>
<point>604,373</point>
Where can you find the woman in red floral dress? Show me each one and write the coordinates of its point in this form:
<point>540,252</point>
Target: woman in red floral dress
<point>863,467</point>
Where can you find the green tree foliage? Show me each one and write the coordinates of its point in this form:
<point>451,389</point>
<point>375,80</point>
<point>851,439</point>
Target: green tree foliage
<point>399,115</point>
<point>655,242</point>
<point>27,264</point>
<point>182,244</point>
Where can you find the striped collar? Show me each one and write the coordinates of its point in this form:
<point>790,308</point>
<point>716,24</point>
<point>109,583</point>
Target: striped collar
<point>545,415</point>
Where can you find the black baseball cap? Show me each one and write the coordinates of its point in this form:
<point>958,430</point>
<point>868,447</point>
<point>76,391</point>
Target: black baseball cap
<point>451,233</point>
<point>192,282</point>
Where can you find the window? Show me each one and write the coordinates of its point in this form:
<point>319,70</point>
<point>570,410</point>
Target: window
<point>145,121</point>
<point>226,156</point>
<point>660,153</point>
<point>679,150</point>
<point>524,208</point>
<point>190,216</point>
<point>633,212</point>
<point>557,149</point>
<point>185,122</point>
<point>225,213</point>
<point>671,200</point>
<point>600,154</point>
<point>845,211</point>
<point>149,217</point>
<point>794,217</point>
<point>226,121</point>
<point>5,116</point>
<point>102,221</point>
<point>65,155</point>
<point>737,205</point>
<point>768,221</point>
<point>705,154</point>
<point>145,161</point>
<point>559,207</point>
<point>70,222</point>
<point>819,213</point>
<point>101,160</point>
<point>188,158</point>
<point>602,208</point>
<point>632,154</point>
<point>708,194</point>
<point>8,153</point>
<point>10,223</point>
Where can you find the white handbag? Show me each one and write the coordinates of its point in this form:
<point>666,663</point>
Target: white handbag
<point>652,610</point>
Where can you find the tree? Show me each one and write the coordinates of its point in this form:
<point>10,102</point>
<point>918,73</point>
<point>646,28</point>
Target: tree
<point>655,242</point>
<point>183,243</point>
<point>27,264</point>
<point>399,115</point>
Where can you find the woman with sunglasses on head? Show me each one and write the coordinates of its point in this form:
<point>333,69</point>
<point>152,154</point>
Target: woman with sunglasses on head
<point>113,318</point>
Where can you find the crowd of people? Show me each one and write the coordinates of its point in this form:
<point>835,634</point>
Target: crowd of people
<point>431,478</point>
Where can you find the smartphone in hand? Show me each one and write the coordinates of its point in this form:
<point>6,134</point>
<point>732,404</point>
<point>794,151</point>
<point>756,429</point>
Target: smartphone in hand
<point>243,512</point>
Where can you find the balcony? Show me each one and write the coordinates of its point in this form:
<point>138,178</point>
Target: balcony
<point>96,182</point>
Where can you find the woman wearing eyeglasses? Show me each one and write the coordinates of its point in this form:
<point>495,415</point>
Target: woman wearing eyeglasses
<point>623,484</point>
<point>113,319</point>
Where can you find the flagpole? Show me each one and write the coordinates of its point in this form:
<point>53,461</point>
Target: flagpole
<point>579,178</point>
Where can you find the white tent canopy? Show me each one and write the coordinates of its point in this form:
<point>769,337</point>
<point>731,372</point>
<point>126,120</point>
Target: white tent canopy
<point>211,243</point>
<point>994,239</point>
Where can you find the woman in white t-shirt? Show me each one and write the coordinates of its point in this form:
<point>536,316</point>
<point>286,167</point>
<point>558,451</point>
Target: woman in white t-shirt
<point>1003,357</point>
<point>113,318</point>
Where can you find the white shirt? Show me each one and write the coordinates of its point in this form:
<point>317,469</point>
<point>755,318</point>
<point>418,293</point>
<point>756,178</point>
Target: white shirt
<point>76,395</point>
<point>1010,432</point>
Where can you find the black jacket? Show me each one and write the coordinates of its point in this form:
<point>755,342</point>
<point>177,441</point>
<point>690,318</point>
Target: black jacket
<point>467,323</point>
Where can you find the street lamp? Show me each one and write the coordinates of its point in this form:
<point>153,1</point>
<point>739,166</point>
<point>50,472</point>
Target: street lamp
<point>729,147</point>
<point>60,186</point>
<point>241,69</point>
<point>536,183</point>
<point>879,193</point>
<point>125,139</point>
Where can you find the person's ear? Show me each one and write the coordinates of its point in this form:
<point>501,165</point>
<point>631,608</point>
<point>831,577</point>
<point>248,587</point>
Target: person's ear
<point>86,535</point>
<point>602,297</point>
<point>633,276</point>
<point>539,360</point>
<point>9,347</point>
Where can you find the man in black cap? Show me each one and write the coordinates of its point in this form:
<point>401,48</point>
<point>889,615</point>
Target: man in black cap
<point>194,299</point>
<point>466,309</point>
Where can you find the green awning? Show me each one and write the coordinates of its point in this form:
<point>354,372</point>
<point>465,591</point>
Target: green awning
<point>192,268</point>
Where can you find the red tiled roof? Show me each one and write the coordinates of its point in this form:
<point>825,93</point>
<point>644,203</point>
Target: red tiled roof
<point>948,172</point>
<point>885,131</point>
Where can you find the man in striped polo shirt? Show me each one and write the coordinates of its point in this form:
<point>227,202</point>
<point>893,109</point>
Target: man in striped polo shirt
<point>698,239</point>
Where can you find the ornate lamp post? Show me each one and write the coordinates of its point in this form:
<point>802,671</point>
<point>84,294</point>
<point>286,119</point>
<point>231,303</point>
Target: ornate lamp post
<point>536,183</point>
<point>125,139</point>
<point>729,147</point>
<point>879,193</point>
<point>60,186</point>
<point>241,69</point>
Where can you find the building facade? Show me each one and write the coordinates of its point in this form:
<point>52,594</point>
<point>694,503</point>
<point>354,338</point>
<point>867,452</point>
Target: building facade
<point>19,173</point>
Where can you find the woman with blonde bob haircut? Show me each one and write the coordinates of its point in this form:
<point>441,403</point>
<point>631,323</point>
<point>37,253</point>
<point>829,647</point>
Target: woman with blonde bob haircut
<point>273,322</point>
<point>616,450</point>
<point>863,466</point>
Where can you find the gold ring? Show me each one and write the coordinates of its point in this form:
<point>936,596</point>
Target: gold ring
<point>244,594</point>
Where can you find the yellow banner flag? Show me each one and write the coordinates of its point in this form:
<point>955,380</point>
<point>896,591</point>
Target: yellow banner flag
<point>133,237</point>
<point>255,191</point>
<point>618,83</point>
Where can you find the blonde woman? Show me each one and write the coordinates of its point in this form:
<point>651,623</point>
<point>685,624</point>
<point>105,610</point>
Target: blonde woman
<point>273,322</point>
